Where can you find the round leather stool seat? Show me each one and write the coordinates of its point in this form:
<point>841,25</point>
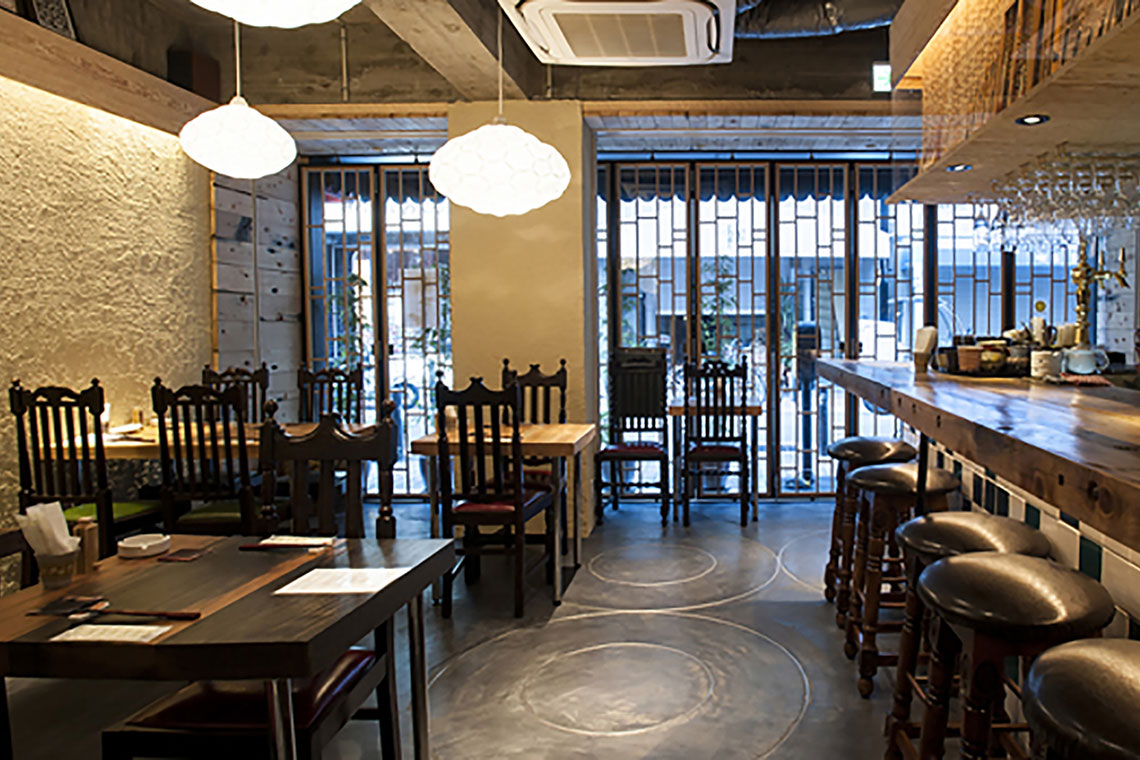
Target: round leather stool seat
<point>902,479</point>
<point>946,534</point>
<point>1080,700</point>
<point>859,450</point>
<point>1022,599</point>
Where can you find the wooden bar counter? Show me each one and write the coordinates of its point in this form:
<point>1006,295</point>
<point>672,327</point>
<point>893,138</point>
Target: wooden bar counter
<point>1076,448</point>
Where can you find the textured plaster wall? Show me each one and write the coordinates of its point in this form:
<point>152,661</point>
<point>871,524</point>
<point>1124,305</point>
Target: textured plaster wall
<point>104,257</point>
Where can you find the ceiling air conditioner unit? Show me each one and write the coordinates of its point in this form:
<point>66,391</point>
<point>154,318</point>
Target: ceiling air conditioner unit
<point>626,32</point>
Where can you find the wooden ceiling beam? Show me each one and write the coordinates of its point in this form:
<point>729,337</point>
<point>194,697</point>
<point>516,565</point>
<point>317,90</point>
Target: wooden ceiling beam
<point>458,38</point>
<point>48,61</point>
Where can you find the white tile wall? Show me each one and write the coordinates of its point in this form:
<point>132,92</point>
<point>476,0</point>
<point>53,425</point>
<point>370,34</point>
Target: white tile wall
<point>1065,539</point>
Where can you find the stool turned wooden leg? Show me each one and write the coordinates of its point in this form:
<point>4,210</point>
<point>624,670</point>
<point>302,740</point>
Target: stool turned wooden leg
<point>847,558</point>
<point>984,686</point>
<point>882,507</point>
<point>943,661</point>
<point>909,645</point>
<point>831,570</point>
<point>858,578</point>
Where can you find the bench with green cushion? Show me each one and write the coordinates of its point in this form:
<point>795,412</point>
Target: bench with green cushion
<point>122,510</point>
<point>214,512</point>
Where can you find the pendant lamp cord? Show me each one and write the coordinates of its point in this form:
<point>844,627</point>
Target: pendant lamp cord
<point>237,59</point>
<point>500,63</point>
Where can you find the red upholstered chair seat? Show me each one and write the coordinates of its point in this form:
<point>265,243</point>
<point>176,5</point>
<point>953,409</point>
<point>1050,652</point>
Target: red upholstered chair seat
<point>634,450</point>
<point>715,451</point>
<point>496,507</point>
<point>242,705</point>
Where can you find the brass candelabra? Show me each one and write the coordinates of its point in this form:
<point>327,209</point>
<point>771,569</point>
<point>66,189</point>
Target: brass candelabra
<point>1084,275</point>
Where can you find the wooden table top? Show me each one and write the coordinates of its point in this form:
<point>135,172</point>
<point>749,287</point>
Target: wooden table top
<point>553,440</point>
<point>1077,448</point>
<point>143,444</point>
<point>245,632</point>
<point>752,408</point>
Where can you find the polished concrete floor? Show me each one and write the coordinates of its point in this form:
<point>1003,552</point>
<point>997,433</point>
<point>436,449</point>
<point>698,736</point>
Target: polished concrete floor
<point>711,641</point>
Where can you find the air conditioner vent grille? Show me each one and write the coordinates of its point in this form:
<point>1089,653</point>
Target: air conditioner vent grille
<point>623,35</point>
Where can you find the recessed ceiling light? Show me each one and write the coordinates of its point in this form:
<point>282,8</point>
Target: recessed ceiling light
<point>959,168</point>
<point>1031,120</point>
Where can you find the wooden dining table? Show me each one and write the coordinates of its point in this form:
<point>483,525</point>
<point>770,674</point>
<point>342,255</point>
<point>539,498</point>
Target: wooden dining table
<point>550,441</point>
<point>143,443</point>
<point>245,631</point>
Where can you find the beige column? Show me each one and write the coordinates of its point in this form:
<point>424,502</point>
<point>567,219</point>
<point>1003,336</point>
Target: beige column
<point>525,287</point>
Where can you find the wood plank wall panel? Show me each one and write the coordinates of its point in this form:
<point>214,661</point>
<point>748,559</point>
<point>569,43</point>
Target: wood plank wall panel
<point>257,281</point>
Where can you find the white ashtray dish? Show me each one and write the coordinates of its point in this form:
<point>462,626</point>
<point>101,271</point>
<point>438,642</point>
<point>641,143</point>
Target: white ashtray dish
<point>143,545</point>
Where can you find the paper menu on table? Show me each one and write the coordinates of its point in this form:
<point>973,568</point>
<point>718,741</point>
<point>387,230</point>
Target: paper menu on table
<point>297,541</point>
<point>125,634</point>
<point>343,581</point>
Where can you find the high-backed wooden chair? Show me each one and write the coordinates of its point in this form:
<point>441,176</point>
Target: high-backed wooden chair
<point>331,391</point>
<point>638,425</point>
<point>254,385</point>
<point>202,445</point>
<point>487,486</point>
<point>330,448</point>
<point>59,446</point>
<point>224,719</point>
<point>543,402</point>
<point>715,425</point>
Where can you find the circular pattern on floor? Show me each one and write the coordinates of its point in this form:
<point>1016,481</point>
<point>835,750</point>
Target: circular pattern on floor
<point>603,689</point>
<point>803,558</point>
<point>674,574</point>
<point>652,564</point>
<point>619,684</point>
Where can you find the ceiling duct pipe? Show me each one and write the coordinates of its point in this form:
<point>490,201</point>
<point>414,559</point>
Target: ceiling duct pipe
<point>772,19</point>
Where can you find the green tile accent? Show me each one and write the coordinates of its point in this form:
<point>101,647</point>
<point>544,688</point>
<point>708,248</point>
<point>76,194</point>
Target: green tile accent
<point>1133,628</point>
<point>979,495</point>
<point>1033,516</point>
<point>940,460</point>
<point>957,468</point>
<point>1002,506</point>
<point>1070,520</point>
<point>990,473</point>
<point>1091,557</point>
<point>991,496</point>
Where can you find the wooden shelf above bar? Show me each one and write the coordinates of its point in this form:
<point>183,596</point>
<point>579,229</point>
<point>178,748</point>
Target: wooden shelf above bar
<point>1093,104</point>
<point>50,62</point>
<point>1075,448</point>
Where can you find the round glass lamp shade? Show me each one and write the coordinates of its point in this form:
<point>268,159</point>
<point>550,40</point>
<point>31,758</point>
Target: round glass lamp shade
<point>499,169</point>
<point>286,14</point>
<point>237,141</point>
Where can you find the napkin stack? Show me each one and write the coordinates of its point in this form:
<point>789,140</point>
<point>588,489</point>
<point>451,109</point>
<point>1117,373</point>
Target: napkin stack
<point>45,529</point>
<point>925,339</point>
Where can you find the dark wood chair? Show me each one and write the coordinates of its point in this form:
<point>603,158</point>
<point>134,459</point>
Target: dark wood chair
<point>331,391</point>
<point>254,385</point>
<point>539,407</point>
<point>715,425</point>
<point>202,446</point>
<point>229,719</point>
<point>637,413</point>
<point>59,447</point>
<point>327,450</point>
<point>487,488</point>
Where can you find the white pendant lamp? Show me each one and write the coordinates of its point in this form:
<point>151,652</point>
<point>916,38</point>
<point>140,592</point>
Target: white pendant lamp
<point>235,140</point>
<point>499,169</point>
<point>287,14</point>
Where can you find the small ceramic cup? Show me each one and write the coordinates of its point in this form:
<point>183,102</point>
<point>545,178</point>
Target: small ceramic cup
<point>1045,363</point>
<point>969,358</point>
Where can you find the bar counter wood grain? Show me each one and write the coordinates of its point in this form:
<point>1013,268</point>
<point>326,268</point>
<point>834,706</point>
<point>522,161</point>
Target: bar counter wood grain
<point>1075,448</point>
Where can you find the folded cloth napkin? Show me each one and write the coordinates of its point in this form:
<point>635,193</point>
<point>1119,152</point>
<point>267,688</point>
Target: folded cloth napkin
<point>45,529</point>
<point>925,339</point>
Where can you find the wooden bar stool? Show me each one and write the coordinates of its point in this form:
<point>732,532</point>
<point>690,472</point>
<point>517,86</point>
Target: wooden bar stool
<point>924,541</point>
<point>852,453</point>
<point>990,606</point>
<point>1080,700</point>
<point>887,498</point>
